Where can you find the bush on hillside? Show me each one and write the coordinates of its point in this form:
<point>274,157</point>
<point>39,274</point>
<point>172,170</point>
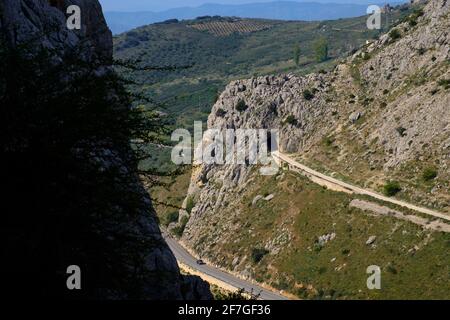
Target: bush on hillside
<point>258,254</point>
<point>395,34</point>
<point>429,174</point>
<point>291,120</point>
<point>308,95</point>
<point>241,106</point>
<point>391,188</point>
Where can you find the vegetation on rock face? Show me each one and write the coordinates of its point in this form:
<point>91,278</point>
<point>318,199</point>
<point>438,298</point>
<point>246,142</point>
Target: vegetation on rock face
<point>171,217</point>
<point>220,113</point>
<point>395,34</point>
<point>179,229</point>
<point>291,120</point>
<point>401,131</point>
<point>444,83</point>
<point>308,95</point>
<point>258,254</point>
<point>412,18</point>
<point>190,204</point>
<point>241,106</point>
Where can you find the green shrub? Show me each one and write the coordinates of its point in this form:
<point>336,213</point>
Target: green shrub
<point>178,230</point>
<point>429,174</point>
<point>171,217</point>
<point>258,254</point>
<point>412,19</point>
<point>322,270</point>
<point>391,188</point>
<point>220,113</point>
<point>395,34</point>
<point>190,204</point>
<point>291,120</point>
<point>282,284</point>
<point>421,51</point>
<point>366,56</point>
<point>308,95</point>
<point>401,131</point>
<point>444,83</point>
<point>241,106</point>
<point>328,141</point>
<point>391,269</point>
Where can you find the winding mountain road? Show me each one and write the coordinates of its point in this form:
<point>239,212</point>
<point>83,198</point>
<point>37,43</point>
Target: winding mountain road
<point>184,257</point>
<point>285,158</point>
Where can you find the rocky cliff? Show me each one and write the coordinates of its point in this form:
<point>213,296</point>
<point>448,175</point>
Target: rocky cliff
<point>73,195</point>
<point>382,114</point>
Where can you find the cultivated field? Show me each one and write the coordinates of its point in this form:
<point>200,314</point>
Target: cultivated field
<point>225,28</point>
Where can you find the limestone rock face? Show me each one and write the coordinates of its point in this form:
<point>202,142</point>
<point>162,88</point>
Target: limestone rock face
<point>22,20</point>
<point>156,274</point>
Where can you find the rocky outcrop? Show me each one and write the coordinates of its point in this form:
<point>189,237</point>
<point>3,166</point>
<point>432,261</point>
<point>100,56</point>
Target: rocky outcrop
<point>84,204</point>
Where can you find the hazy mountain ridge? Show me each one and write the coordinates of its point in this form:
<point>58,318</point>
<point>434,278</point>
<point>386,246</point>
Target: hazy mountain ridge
<point>284,10</point>
<point>139,5</point>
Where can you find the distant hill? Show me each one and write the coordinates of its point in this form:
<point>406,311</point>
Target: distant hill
<point>283,10</point>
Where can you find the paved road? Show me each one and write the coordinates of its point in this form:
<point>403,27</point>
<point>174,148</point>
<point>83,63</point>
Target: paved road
<point>186,258</point>
<point>358,190</point>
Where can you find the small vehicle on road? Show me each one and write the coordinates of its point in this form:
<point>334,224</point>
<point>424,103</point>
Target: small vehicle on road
<point>200,262</point>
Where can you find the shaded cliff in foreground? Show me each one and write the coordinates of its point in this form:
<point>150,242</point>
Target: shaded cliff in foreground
<point>72,194</point>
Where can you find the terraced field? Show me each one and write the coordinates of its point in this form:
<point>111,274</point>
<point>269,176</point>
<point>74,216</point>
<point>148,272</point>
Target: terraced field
<point>228,27</point>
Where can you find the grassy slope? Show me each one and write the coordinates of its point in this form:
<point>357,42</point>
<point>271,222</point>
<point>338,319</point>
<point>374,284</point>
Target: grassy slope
<point>304,211</point>
<point>172,194</point>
